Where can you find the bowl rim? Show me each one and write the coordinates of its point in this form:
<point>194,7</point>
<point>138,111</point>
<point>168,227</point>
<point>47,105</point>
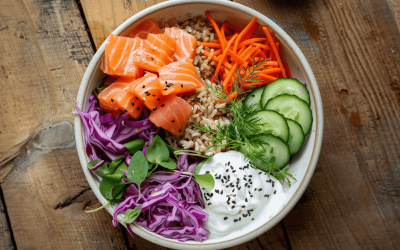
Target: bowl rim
<point>319,118</point>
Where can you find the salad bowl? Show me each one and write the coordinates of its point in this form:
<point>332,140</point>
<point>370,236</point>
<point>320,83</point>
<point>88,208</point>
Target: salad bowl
<point>302,165</point>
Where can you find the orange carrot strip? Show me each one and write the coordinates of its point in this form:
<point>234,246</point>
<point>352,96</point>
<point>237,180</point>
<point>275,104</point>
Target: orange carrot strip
<point>228,78</point>
<point>214,24</point>
<point>224,55</point>
<point>287,69</point>
<point>250,41</point>
<point>235,57</point>
<point>261,54</point>
<point>244,32</point>
<point>211,45</point>
<point>267,77</point>
<point>276,52</point>
<point>251,31</point>
<point>270,71</point>
<point>223,26</point>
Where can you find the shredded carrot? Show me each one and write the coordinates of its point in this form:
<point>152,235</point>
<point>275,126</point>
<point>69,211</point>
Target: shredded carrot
<point>224,55</point>
<point>210,45</point>
<point>244,32</point>
<point>250,41</point>
<point>215,26</point>
<point>287,69</point>
<point>273,45</point>
<point>251,31</point>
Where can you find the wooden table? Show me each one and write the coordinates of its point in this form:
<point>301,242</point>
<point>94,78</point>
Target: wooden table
<point>353,199</point>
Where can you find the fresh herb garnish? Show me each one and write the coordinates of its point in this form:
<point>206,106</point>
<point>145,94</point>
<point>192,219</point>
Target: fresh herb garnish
<point>135,145</point>
<point>205,180</point>
<point>157,151</point>
<point>101,171</point>
<point>138,168</point>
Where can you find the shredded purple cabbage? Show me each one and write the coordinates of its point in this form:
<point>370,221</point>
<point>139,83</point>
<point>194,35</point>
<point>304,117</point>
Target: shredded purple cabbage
<point>169,204</point>
<point>105,135</point>
<point>169,201</point>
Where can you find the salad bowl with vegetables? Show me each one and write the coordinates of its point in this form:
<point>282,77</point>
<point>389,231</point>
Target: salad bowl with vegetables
<point>198,124</point>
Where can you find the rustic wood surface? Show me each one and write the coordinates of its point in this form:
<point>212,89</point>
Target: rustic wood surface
<point>353,199</point>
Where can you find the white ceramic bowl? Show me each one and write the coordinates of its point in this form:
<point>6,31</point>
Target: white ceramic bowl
<point>302,165</point>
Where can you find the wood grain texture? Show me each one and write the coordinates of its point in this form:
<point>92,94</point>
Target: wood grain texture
<point>44,52</point>
<point>352,47</point>
<point>5,235</point>
<point>103,16</point>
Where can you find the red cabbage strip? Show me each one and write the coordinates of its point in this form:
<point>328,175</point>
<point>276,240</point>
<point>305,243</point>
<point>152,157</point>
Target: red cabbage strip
<point>168,206</point>
<point>105,135</point>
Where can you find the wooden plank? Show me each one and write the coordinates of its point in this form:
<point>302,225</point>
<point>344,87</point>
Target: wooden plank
<point>5,235</point>
<point>103,16</point>
<point>352,47</point>
<point>44,52</point>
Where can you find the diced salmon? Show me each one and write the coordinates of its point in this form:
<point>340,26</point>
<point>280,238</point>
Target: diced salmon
<point>179,77</point>
<point>148,90</point>
<point>108,97</point>
<point>144,28</point>
<point>155,52</point>
<point>130,104</point>
<point>116,61</point>
<point>185,43</point>
<point>172,115</point>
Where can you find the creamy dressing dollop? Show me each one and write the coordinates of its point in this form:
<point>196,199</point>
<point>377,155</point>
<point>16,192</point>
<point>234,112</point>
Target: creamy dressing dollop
<point>241,193</point>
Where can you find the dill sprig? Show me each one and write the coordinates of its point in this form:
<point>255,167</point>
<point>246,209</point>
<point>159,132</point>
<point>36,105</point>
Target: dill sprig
<point>243,132</point>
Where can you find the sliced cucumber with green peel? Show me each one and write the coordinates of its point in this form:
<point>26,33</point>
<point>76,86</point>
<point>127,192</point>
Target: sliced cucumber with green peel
<point>294,108</point>
<point>276,156</point>
<point>296,136</point>
<point>254,97</point>
<point>280,86</point>
<point>273,123</point>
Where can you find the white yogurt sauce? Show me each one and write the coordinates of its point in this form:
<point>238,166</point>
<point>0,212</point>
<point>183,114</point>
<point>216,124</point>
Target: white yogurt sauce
<point>241,194</point>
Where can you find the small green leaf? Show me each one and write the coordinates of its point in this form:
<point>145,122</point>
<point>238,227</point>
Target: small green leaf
<point>170,164</point>
<point>134,145</point>
<point>116,192</point>
<point>171,149</point>
<point>205,180</point>
<point>138,168</point>
<point>101,171</point>
<point>108,182</point>
<point>198,166</point>
<point>114,164</point>
<point>157,151</point>
<point>121,166</point>
<point>132,214</point>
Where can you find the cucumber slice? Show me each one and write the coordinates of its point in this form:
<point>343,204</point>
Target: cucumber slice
<point>274,123</point>
<point>294,108</point>
<point>296,136</point>
<point>276,156</point>
<point>255,97</point>
<point>280,86</point>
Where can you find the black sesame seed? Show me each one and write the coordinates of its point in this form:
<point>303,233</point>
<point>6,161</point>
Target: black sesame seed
<point>233,190</point>
<point>251,183</point>
<point>153,95</point>
<point>246,200</point>
<point>207,172</point>
<point>275,192</point>
<point>137,98</point>
<point>143,86</point>
<point>235,220</point>
<point>240,218</point>
<point>152,58</point>
<point>155,108</point>
<point>225,218</point>
<point>234,202</point>
<point>158,99</point>
<point>234,195</point>
<point>180,130</point>
<point>251,196</point>
<point>233,207</point>
<point>133,104</point>
<point>138,108</point>
<point>166,82</point>
<point>243,206</point>
<point>217,191</point>
<point>222,180</point>
<point>112,100</point>
<point>181,85</point>
<point>173,121</point>
<point>267,195</point>
<point>209,204</point>
<point>222,191</point>
<point>228,202</point>
<point>229,163</point>
<point>255,189</point>
<point>239,188</point>
<point>250,176</point>
<point>260,189</point>
<point>211,195</point>
<point>165,88</point>
<point>272,184</point>
<point>162,105</point>
<point>227,170</point>
<point>252,219</point>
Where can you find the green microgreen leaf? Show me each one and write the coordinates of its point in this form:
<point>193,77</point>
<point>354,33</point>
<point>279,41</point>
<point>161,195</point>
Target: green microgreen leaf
<point>122,165</point>
<point>205,180</point>
<point>101,171</point>
<point>116,192</point>
<point>107,184</point>
<point>132,214</point>
<point>157,151</point>
<point>198,166</point>
<point>152,169</point>
<point>134,145</point>
<point>114,164</point>
<point>170,164</point>
<point>138,169</point>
